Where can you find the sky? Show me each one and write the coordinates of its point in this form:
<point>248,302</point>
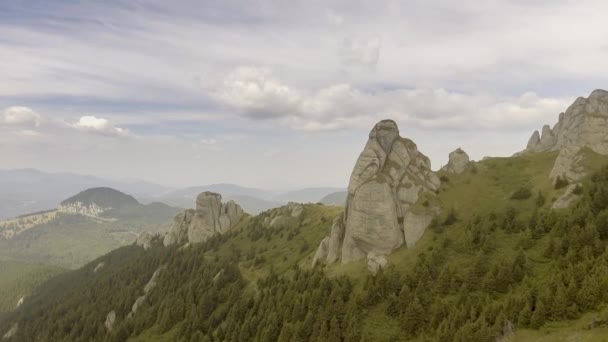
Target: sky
<point>282,94</point>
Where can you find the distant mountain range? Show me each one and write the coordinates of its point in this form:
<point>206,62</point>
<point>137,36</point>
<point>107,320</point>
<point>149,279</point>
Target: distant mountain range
<point>23,191</point>
<point>81,228</point>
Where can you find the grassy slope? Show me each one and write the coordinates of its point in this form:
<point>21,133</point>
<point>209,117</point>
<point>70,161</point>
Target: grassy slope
<point>486,187</point>
<point>18,279</point>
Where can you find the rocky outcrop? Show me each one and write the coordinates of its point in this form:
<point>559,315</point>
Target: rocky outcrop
<point>12,332</point>
<point>567,198</point>
<point>99,267</point>
<point>110,320</point>
<point>79,208</point>
<point>376,262</point>
<point>387,181</point>
<point>210,217</point>
<point>149,287</point>
<point>458,162</point>
<point>144,240</point>
<point>295,209</point>
<point>584,124</point>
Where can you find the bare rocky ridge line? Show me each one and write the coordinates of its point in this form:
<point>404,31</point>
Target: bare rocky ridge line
<point>583,125</point>
<point>381,215</point>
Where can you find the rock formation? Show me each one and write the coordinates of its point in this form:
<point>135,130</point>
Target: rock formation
<point>149,287</point>
<point>458,162</point>
<point>388,178</point>
<point>99,267</point>
<point>110,320</point>
<point>12,332</point>
<point>144,240</point>
<point>584,124</point>
<point>210,217</point>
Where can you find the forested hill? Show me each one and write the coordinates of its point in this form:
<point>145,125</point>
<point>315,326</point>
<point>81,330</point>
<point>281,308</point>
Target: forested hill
<point>514,269</point>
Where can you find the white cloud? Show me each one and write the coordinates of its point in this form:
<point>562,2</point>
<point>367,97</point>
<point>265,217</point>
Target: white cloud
<point>362,52</point>
<point>208,141</point>
<point>256,93</point>
<point>333,17</point>
<point>99,126</point>
<point>21,116</point>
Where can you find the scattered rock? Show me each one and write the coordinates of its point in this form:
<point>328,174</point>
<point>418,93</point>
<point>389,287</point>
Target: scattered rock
<point>217,276</point>
<point>376,262</point>
<point>99,266</point>
<point>110,319</point>
<point>458,161</point>
<point>209,218</point>
<point>567,199</point>
<point>387,180</point>
<point>12,332</point>
<point>149,287</point>
<point>296,209</point>
<point>144,240</point>
<point>275,221</point>
<point>20,302</point>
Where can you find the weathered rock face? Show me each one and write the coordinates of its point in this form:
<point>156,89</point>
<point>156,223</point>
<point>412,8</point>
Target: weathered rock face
<point>110,320</point>
<point>99,267</point>
<point>210,217</point>
<point>12,332</point>
<point>387,180</point>
<point>584,124</point>
<point>458,162</point>
<point>144,240</point>
<point>149,287</point>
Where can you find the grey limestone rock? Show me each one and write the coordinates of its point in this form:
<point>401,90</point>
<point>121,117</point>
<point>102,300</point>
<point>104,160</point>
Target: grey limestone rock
<point>458,162</point>
<point>388,179</point>
<point>210,217</point>
<point>144,240</point>
<point>583,124</point>
<point>110,320</point>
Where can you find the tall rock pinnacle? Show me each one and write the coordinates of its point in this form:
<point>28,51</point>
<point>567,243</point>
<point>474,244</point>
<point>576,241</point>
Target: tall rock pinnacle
<point>387,180</point>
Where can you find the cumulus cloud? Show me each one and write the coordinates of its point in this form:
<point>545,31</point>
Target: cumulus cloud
<point>256,93</point>
<point>21,116</point>
<point>101,126</point>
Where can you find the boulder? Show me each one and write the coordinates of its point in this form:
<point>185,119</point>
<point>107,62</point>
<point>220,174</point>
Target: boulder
<point>387,180</point>
<point>99,267</point>
<point>376,262</point>
<point>210,217</point>
<point>567,198</point>
<point>11,332</point>
<point>296,209</point>
<point>458,161</point>
<point>110,320</point>
<point>147,288</point>
<point>144,240</point>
